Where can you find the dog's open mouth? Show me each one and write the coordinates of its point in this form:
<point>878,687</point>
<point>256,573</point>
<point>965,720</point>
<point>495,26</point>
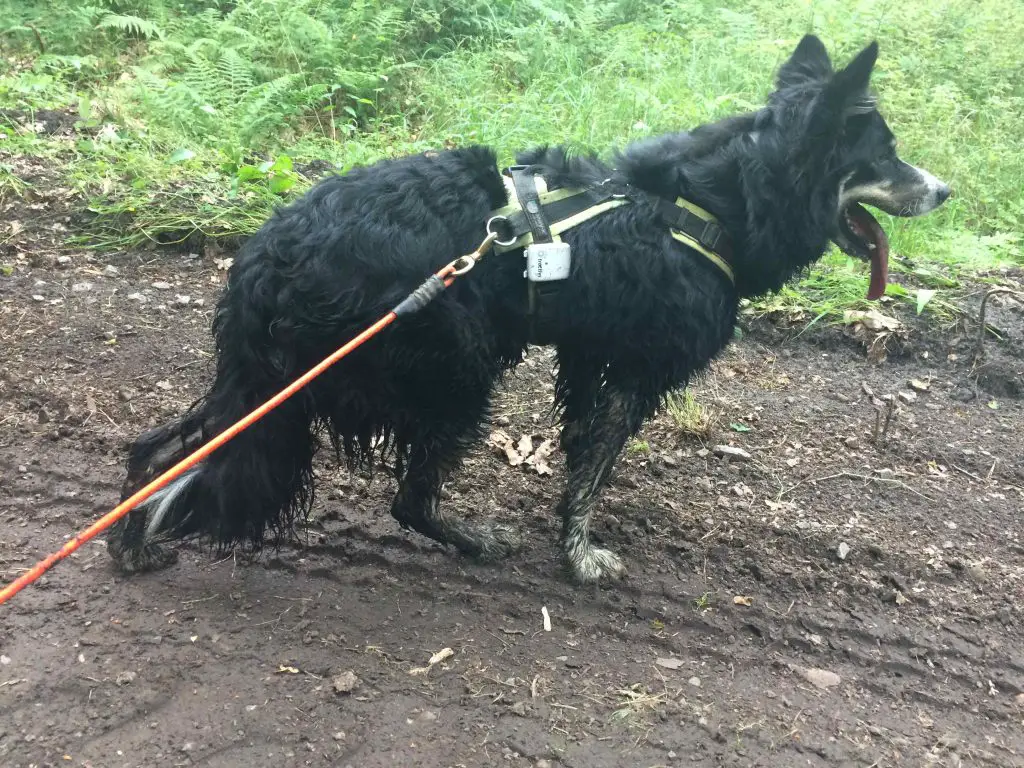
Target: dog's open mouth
<point>860,235</point>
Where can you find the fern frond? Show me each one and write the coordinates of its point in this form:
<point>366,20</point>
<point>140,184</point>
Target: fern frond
<point>132,25</point>
<point>235,72</point>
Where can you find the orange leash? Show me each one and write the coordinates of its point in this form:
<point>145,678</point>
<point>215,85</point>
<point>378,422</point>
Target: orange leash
<point>414,302</point>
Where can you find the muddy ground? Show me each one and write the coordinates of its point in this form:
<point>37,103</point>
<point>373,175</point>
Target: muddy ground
<point>842,598</point>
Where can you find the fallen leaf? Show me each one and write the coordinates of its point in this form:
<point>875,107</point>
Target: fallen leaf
<point>284,669</point>
<point>871,319</point>
<point>525,445</point>
<point>538,460</point>
<point>873,329</point>
<point>444,653</point>
<point>669,663</point>
<point>437,658</point>
<point>743,600</point>
<point>525,451</point>
<point>506,446</point>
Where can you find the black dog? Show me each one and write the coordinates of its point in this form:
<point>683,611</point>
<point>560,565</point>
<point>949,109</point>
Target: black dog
<point>639,315</point>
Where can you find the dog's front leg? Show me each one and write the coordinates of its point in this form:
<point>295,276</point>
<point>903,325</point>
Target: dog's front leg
<point>418,503</point>
<point>592,441</point>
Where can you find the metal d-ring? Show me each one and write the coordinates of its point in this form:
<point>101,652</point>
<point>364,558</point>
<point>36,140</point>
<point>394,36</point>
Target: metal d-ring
<point>613,195</point>
<point>492,231</point>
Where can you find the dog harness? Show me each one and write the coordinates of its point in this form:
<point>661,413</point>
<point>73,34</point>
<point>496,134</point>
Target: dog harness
<point>536,216</point>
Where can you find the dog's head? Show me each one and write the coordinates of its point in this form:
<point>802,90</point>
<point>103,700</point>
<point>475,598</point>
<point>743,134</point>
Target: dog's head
<point>830,120</point>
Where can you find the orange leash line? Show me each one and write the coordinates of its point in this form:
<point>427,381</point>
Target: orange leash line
<point>447,275</point>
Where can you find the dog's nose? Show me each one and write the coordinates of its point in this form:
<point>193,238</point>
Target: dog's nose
<point>942,193</point>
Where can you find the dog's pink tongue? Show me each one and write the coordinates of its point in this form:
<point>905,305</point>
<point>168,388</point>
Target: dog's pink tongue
<point>873,233</point>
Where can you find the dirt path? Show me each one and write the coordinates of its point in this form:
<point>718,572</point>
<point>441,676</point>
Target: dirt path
<point>884,581</point>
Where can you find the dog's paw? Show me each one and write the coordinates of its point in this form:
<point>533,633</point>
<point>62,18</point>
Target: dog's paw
<point>495,542</point>
<point>593,564</point>
<point>151,557</point>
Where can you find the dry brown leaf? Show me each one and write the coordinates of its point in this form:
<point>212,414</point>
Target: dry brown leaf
<point>525,445</point>
<point>743,600</point>
<point>437,658</point>
<point>444,653</point>
<point>524,451</point>
<point>872,319</point>
<point>538,460</point>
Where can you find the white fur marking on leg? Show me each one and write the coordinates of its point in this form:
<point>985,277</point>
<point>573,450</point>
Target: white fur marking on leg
<point>596,564</point>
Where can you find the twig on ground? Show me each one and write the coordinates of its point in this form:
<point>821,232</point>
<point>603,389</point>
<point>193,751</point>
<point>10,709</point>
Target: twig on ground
<point>881,430</point>
<point>979,345</point>
<point>963,471</point>
<point>854,476</point>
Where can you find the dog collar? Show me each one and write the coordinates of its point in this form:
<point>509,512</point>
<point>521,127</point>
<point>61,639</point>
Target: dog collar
<point>552,213</point>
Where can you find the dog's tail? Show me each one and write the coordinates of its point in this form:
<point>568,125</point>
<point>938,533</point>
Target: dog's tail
<point>260,480</point>
<point>154,453</point>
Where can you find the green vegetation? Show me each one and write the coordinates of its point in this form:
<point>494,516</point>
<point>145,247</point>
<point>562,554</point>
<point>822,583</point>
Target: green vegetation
<point>690,416</point>
<point>200,115</point>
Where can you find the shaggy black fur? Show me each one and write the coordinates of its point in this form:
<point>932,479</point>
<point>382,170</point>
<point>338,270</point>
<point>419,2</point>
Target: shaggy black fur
<point>641,315</point>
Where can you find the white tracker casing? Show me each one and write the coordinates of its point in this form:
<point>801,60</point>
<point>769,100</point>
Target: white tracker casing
<point>548,261</point>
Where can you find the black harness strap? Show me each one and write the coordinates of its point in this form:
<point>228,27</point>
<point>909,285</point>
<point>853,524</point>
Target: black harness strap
<point>542,298</point>
<point>526,190</point>
<point>529,218</point>
<point>708,233</point>
<point>515,224</point>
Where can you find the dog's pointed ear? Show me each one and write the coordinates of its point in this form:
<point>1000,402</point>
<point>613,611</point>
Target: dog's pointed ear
<point>852,82</point>
<point>809,62</point>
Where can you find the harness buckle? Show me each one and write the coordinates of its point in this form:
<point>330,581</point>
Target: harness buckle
<point>711,236</point>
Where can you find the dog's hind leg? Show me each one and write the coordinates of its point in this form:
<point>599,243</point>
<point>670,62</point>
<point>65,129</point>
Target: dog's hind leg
<point>432,457</point>
<point>597,422</point>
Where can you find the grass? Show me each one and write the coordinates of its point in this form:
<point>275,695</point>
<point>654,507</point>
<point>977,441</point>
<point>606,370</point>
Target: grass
<point>689,416</point>
<point>200,117</point>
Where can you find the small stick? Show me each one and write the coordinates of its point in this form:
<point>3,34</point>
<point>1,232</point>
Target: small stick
<point>965,472</point>
<point>979,346</point>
